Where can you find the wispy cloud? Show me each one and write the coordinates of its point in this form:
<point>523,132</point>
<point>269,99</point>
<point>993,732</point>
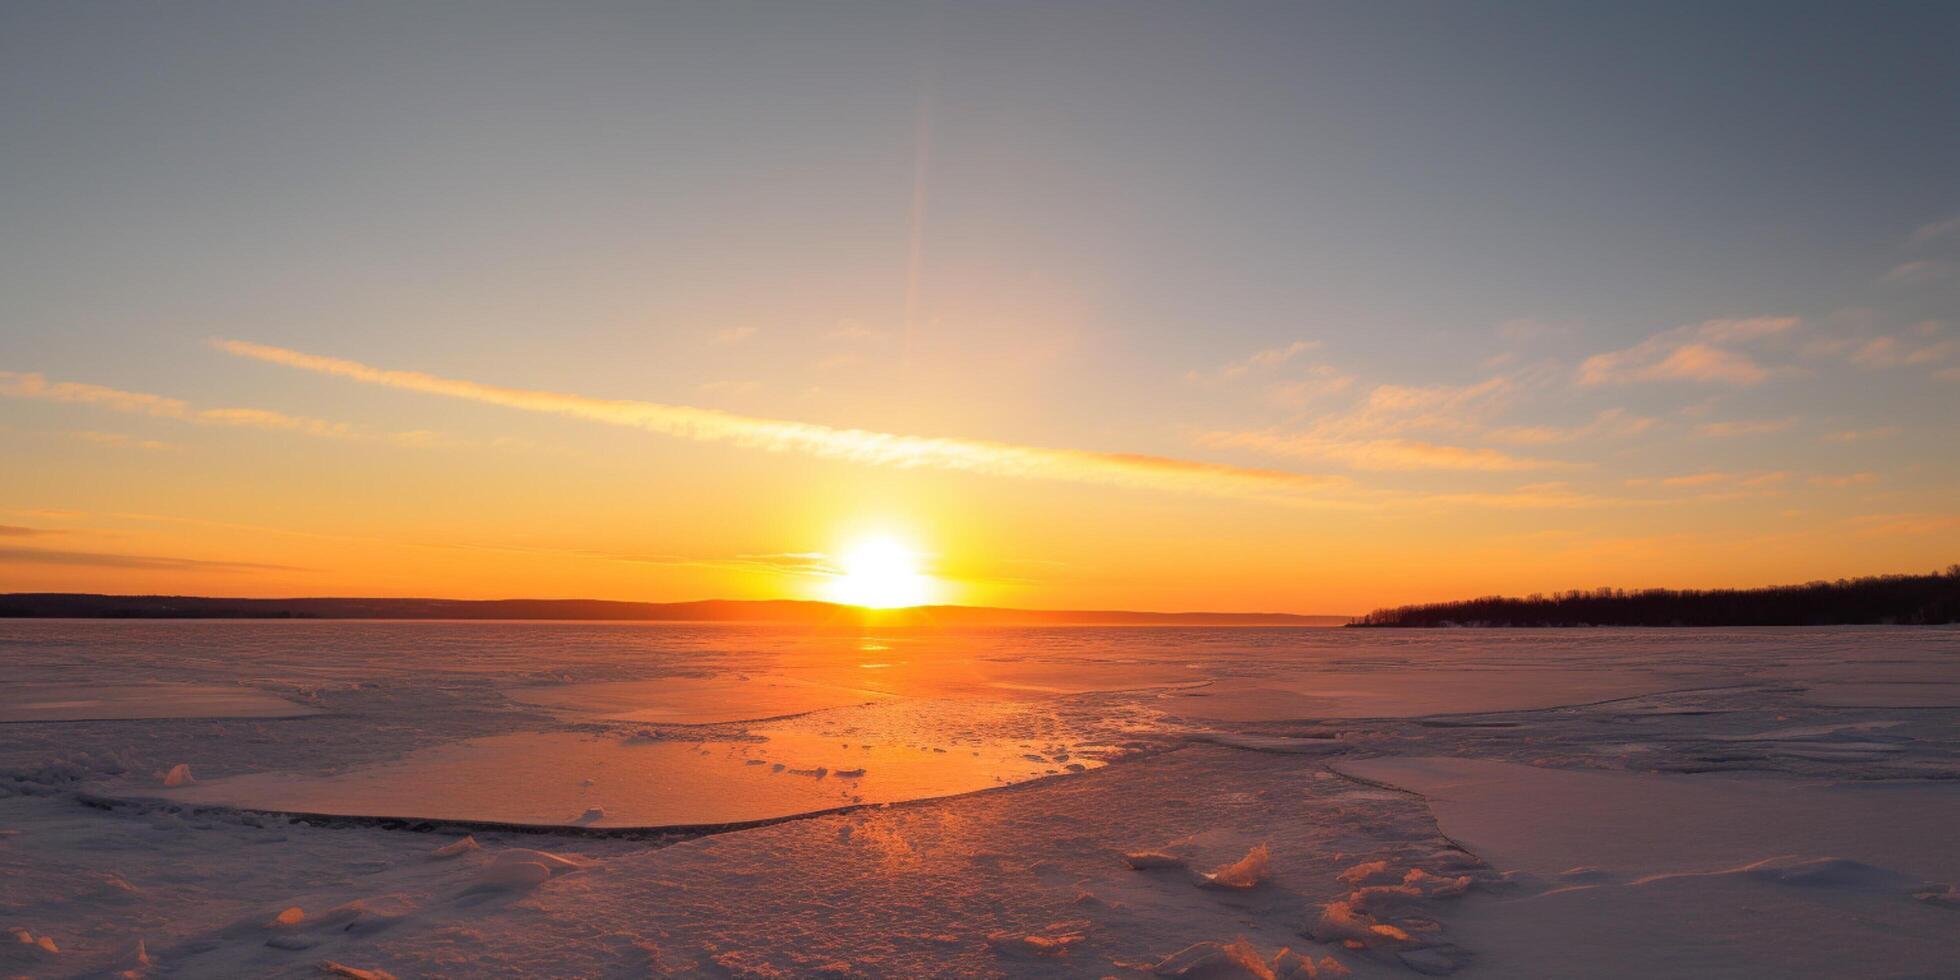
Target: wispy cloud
<point>850,445</point>
<point>1861,435</point>
<point>1269,358</point>
<point>1534,496</point>
<point>16,531</point>
<point>33,386</point>
<point>1891,351</point>
<point>1745,427</point>
<point>1390,409</point>
<point>1706,352</point>
<point>1895,525</point>
<point>1394,427</point>
<point>1840,481</point>
<point>1696,479</point>
<point>1918,270</point>
<point>734,335</point>
<point>94,559</point>
<point>14,384</point>
<point>1730,484</point>
<point>1377,454</point>
<point>1613,423</point>
<point>122,441</point>
<point>1935,231</point>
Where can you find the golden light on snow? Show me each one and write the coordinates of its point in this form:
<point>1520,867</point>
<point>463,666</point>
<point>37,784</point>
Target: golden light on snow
<point>881,572</point>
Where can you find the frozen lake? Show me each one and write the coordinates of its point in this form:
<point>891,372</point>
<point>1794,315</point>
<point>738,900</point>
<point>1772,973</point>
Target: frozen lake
<point>1390,803</point>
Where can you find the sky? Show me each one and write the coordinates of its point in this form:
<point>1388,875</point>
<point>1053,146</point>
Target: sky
<point>1309,307</point>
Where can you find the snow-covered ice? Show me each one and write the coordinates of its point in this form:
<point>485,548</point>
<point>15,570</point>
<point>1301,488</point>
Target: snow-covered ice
<point>495,799</point>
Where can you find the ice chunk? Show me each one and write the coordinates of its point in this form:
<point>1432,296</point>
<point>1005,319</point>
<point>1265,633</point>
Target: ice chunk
<point>454,849</point>
<point>1436,886</point>
<point>1340,922</point>
<point>113,887</point>
<point>137,961</point>
<point>40,944</point>
<point>1145,860</point>
<point>179,775</point>
<point>1368,873</point>
<point>288,918</point>
<point>1246,872</point>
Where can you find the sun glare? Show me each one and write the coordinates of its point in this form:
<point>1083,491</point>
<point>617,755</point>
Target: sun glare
<point>881,573</point>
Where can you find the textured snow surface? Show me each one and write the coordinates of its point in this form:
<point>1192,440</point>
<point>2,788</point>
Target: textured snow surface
<point>1064,802</point>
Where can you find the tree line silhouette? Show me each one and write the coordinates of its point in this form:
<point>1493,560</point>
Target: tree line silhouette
<point>1877,600</point>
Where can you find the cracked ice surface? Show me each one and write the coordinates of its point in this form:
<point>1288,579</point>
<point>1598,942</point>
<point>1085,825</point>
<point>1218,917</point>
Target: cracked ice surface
<point>1201,802</point>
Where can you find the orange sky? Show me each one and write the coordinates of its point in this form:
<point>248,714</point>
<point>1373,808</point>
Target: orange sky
<point>556,494</point>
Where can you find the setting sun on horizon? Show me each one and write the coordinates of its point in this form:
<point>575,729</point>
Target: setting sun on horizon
<point>880,572</point>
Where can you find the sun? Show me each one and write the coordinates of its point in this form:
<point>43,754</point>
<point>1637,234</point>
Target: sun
<point>880,573</point>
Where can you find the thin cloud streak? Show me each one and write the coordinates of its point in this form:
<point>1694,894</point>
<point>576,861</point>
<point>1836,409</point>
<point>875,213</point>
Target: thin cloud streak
<point>850,445</point>
<point>122,441</point>
<point>1745,427</point>
<point>1379,454</point>
<point>32,386</point>
<point>96,559</point>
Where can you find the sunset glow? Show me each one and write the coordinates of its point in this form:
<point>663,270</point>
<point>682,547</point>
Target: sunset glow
<point>880,573</point>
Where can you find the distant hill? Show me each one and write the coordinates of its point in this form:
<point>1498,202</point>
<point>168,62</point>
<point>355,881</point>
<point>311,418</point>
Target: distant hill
<point>1880,600</point>
<point>87,606</point>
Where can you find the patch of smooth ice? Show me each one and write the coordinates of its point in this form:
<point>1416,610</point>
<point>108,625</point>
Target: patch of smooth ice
<point>1545,821</point>
<point>25,702</point>
<point>1404,693</point>
<point>1885,694</point>
<point>693,700</point>
<point>1900,679</point>
<point>547,779</point>
<point>1727,876</point>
